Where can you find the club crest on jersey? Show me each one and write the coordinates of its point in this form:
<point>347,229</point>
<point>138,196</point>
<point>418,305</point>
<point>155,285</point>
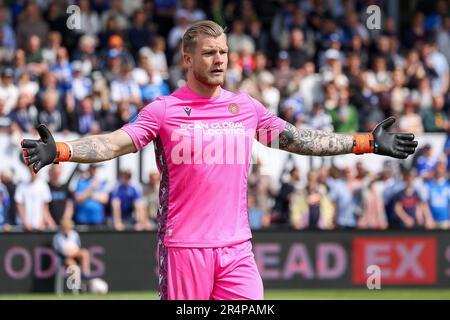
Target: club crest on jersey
<point>187,110</point>
<point>233,108</point>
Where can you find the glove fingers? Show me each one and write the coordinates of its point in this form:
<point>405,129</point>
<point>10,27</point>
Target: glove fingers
<point>38,166</point>
<point>31,160</point>
<point>29,152</point>
<point>407,143</point>
<point>44,133</point>
<point>385,124</point>
<point>405,136</point>
<point>408,150</point>
<point>28,143</point>
<point>400,154</point>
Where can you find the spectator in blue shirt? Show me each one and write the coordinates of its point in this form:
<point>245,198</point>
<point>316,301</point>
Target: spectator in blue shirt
<point>90,197</point>
<point>4,208</point>
<point>127,204</point>
<point>438,196</point>
<point>425,163</point>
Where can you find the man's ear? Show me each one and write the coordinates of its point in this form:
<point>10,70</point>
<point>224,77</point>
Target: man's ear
<point>187,59</point>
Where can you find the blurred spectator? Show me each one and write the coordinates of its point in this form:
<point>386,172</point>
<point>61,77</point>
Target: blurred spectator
<point>319,119</point>
<point>54,42</point>
<point>410,121</point>
<point>176,33</point>
<point>26,86</point>
<point>139,34</point>
<point>190,9</point>
<point>89,20</point>
<point>67,245</point>
<point>256,217</point>
<point>238,39</point>
<point>293,110</point>
<point>30,22</point>
<point>25,114</point>
<point>283,72</point>
<point>438,196</point>
<point>55,18</point>
<point>62,70</point>
<point>126,90</point>
<point>443,38</point>
<point>5,121</point>
<point>5,203</point>
<point>345,115</point>
<point>311,88</point>
<point>426,162</point>
<point>436,66</point>
<point>156,55</point>
<point>6,178</point>
<point>9,92</point>
<point>127,204</point>
<point>32,199</point>
<point>409,209</point>
<point>61,205</point>
<point>87,55</point>
<point>436,119</point>
<point>90,197</point>
<point>117,12</point>
<point>50,114</point>
<point>332,70</point>
<point>81,85</point>
<point>269,93</point>
<point>151,198</point>
<point>311,207</point>
<point>399,94</point>
<point>298,55</point>
<point>373,211</point>
<point>281,208</point>
<point>259,36</point>
<point>343,191</point>
<point>86,120</point>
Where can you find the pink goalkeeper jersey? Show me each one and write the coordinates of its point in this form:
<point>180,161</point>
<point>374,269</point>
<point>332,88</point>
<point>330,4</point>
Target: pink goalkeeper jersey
<point>203,149</point>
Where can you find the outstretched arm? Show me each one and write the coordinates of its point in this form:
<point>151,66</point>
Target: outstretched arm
<point>323,143</point>
<point>102,147</point>
<point>314,142</point>
<point>90,149</point>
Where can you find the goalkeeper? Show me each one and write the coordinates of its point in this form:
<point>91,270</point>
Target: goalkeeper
<point>204,245</point>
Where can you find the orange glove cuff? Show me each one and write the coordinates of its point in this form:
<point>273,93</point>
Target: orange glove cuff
<point>363,143</point>
<point>63,152</point>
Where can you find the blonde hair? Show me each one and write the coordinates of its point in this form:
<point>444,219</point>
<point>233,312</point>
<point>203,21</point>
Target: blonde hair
<point>206,27</point>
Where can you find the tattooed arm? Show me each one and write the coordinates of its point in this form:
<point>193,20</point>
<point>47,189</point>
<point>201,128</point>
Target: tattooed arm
<point>103,147</point>
<point>313,142</point>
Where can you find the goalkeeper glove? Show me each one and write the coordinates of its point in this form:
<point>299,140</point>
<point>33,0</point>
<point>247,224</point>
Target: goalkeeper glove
<point>45,151</point>
<point>382,142</point>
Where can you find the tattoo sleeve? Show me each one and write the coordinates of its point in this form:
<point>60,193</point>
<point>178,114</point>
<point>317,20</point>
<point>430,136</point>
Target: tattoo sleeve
<point>92,149</point>
<point>313,142</point>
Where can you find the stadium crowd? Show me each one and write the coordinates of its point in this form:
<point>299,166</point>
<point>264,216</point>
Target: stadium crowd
<point>311,62</point>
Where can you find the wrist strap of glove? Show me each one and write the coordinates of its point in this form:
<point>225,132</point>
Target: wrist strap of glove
<point>63,152</point>
<point>363,143</point>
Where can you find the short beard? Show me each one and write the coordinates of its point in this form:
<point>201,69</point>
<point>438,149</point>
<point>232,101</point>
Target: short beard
<point>204,79</point>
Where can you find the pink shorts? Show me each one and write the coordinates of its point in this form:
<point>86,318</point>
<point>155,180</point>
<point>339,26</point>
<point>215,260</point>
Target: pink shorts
<point>227,273</point>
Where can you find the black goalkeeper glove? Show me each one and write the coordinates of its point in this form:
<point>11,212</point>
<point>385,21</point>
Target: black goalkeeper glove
<point>396,145</point>
<point>382,142</point>
<point>40,153</point>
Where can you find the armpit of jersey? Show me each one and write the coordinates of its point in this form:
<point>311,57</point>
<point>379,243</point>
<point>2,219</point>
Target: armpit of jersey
<point>146,125</point>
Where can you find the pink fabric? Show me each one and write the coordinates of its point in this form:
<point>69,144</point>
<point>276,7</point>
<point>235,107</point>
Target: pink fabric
<point>227,273</point>
<point>203,151</point>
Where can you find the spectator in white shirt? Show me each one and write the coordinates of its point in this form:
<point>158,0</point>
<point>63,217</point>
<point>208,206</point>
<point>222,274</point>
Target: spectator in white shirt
<point>32,199</point>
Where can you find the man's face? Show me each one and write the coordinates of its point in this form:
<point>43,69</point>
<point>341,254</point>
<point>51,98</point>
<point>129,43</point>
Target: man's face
<point>209,60</point>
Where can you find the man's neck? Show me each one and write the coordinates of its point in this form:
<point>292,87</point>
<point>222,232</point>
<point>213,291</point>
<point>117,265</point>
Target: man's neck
<point>202,89</point>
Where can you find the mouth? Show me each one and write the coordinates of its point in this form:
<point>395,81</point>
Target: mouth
<point>217,71</point>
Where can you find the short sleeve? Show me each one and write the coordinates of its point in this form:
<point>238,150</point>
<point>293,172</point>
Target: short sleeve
<point>146,125</point>
<point>269,125</point>
<point>19,195</point>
